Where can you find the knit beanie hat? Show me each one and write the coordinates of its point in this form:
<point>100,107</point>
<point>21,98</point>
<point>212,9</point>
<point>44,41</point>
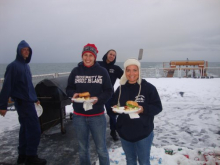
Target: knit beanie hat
<point>131,61</point>
<point>91,48</point>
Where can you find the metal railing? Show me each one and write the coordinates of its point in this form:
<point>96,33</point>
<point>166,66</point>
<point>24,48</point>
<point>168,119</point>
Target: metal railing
<point>38,78</point>
<point>211,72</point>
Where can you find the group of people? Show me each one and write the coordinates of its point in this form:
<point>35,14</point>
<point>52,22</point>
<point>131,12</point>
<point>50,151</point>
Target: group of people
<point>98,78</point>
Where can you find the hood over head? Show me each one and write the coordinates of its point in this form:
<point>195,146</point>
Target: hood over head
<point>104,58</point>
<point>23,44</point>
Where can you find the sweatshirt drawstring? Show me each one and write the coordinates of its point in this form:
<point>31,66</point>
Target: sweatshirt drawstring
<point>120,94</point>
<point>138,93</point>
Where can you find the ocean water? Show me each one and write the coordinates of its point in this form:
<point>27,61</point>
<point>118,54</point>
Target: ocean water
<point>47,68</point>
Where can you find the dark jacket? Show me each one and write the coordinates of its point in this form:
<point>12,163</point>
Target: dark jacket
<point>94,80</point>
<point>18,79</point>
<point>114,71</point>
<point>136,129</point>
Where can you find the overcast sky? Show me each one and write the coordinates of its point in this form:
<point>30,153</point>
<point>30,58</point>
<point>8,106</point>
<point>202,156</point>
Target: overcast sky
<point>57,30</point>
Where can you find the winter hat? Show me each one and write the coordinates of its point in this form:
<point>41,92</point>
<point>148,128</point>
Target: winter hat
<point>91,48</point>
<point>123,80</point>
<point>131,61</point>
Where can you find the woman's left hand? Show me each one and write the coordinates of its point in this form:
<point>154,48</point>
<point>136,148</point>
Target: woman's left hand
<point>141,110</point>
<point>95,100</point>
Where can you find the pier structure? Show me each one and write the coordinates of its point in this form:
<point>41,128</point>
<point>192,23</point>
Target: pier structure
<point>186,66</point>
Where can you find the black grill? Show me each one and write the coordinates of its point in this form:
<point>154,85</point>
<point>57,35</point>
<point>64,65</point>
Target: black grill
<point>52,95</point>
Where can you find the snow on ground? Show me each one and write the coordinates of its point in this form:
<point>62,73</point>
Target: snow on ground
<point>188,126</point>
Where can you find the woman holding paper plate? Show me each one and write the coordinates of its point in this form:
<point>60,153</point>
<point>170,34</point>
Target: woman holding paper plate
<point>136,128</point>
<point>89,115</point>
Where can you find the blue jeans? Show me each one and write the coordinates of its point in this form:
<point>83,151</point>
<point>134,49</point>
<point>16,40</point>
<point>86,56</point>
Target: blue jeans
<point>139,150</point>
<point>83,125</point>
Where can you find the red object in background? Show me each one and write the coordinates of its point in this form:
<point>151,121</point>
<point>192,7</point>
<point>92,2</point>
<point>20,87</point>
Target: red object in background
<point>210,154</point>
<point>187,156</point>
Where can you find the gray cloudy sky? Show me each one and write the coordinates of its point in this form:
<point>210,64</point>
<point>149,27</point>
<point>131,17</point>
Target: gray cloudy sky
<point>57,30</point>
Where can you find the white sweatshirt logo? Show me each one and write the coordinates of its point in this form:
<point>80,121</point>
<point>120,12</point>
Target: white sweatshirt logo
<point>88,79</point>
<point>140,98</point>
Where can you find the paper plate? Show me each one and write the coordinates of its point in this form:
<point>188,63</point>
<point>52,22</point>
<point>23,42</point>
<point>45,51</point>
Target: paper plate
<point>82,101</point>
<point>78,100</point>
<point>121,110</point>
<point>39,109</point>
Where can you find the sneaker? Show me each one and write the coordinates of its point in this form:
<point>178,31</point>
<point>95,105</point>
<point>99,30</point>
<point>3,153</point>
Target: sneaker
<point>21,159</point>
<point>34,160</point>
<point>114,135</point>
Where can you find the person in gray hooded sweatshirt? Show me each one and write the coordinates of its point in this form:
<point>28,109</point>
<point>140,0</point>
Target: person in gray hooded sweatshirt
<point>18,85</point>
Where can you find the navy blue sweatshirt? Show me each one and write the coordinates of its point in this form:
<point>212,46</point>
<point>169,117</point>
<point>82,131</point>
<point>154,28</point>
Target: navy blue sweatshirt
<point>114,71</point>
<point>94,80</point>
<point>18,79</point>
<point>136,129</point>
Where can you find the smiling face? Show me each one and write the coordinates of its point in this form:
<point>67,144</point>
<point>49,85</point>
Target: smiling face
<point>111,56</point>
<point>25,52</point>
<point>132,73</point>
<point>88,59</point>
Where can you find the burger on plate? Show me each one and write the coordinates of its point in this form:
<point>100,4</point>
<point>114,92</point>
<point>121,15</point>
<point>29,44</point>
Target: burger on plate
<point>84,96</point>
<point>131,105</point>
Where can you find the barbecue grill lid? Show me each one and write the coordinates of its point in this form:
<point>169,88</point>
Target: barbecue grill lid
<point>60,82</point>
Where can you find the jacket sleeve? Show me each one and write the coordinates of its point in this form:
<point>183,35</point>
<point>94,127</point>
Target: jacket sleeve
<point>115,97</point>
<point>154,105</point>
<point>7,87</point>
<point>120,72</point>
<point>71,87</point>
<point>106,88</point>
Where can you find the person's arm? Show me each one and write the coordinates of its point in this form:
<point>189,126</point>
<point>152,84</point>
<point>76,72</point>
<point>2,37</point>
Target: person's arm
<point>7,87</point>
<point>107,89</point>
<point>120,72</point>
<point>115,97</point>
<point>71,87</point>
<point>154,105</point>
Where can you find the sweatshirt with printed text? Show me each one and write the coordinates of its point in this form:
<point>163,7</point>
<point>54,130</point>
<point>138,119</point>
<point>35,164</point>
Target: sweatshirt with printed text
<point>139,128</point>
<point>94,80</point>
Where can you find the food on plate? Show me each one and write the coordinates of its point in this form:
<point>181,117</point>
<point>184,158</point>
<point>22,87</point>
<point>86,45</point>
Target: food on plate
<point>84,96</point>
<point>131,105</point>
